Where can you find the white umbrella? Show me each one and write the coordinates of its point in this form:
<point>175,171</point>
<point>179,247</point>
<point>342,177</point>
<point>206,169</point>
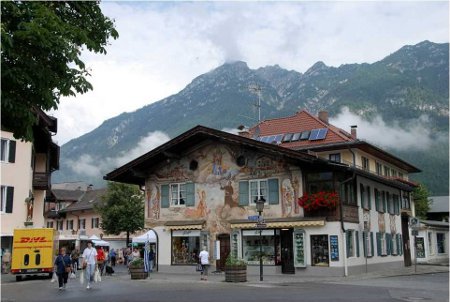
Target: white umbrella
<point>93,237</point>
<point>100,243</point>
<point>150,236</point>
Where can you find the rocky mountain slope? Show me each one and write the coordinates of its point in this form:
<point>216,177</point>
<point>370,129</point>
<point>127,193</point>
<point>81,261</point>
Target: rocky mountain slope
<point>402,87</point>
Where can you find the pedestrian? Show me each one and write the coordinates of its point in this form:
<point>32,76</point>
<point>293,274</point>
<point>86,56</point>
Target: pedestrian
<point>112,257</point>
<point>100,259</point>
<point>204,261</point>
<point>63,266</point>
<point>151,258</point>
<point>90,262</point>
<point>75,255</point>
<point>6,260</point>
<point>136,254</point>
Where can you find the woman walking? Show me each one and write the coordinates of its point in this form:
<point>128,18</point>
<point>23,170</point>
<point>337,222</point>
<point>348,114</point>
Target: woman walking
<point>63,267</point>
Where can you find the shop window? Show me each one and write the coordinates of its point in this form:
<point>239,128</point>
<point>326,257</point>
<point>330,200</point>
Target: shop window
<point>250,246</point>
<point>440,240</point>
<point>319,250</point>
<point>185,247</point>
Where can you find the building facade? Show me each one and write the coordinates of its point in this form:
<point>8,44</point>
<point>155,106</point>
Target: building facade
<point>202,188</point>
<point>26,177</point>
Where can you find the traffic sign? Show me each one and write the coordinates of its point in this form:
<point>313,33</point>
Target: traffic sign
<point>261,225</point>
<point>253,218</point>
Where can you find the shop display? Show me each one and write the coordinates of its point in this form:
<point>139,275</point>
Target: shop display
<point>299,248</point>
<point>319,250</point>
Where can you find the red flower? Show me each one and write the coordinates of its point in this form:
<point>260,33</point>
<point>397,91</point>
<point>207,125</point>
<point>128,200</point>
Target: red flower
<point>319,200</point>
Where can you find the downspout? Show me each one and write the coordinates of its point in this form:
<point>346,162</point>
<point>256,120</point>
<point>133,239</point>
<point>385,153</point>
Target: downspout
<point>353,156</point>
<point>341,210</point>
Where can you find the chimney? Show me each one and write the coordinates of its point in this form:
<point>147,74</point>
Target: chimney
<point>243,131</point>
<point>353,131</point>
<point>90,187</point>
<point>323,116</point>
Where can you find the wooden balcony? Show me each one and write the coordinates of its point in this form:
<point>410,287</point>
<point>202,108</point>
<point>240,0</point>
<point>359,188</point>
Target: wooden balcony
<point>350,213</point>
<point>41,181</point>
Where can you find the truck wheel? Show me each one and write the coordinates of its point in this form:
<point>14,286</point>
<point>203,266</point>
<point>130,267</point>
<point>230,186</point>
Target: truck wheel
<point>18,278</point>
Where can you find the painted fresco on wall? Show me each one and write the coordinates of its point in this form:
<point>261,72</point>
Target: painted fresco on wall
<point>392,223</point>
<point>153,198</point>
<point>216,179</point>
<point>381,223</point>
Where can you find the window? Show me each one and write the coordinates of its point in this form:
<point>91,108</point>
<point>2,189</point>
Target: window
<point>382,244</point>
<point>350,237</point>
<point>82,224</point>
<point>405,202</point>
<point>258,190</point>
<point>430,243</point>
<point>394,245</point>
<point>59,225</point>
<point>348,194</point>
<point>50,224</point>
<point>7,197</point>
<point>8,151</point>
<point>378,201</point>
<point>250,246</point>
<point>390,203</point>
<point>384,200</point>
<point>69,225</point>
<point>387,171</point>
<point>396,202</point>
<point>440,240</point>
<point>365,196</point>
<point>365,163</point>
<point>336,157</point>
<point>379,168</point>
<point>400,174</point>
<point>394,173</point>
<point>319,250</point>
<point>95,222</point>
<point>177,194</point>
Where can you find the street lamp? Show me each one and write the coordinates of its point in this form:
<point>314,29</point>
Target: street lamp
<point>260,209</point>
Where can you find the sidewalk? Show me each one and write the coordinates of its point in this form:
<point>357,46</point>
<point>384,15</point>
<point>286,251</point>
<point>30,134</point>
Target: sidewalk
<point>253,280</point>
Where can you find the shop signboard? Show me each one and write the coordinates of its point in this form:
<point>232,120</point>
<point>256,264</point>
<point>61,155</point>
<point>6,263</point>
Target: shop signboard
<point>420,247</point>
<point>334,248</point>
<point>299,248</point>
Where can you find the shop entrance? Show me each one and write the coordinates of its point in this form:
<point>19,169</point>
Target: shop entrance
<point>224,240</point>
<point>319,250</point>
<point>287,253</point>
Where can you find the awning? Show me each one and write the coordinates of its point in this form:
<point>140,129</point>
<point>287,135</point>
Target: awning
<point>185,225</point>
<point>279,223</point>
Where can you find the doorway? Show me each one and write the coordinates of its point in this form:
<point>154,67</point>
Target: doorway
<point>287,252</point>
<point>405,236</point>
<point>224,240</point>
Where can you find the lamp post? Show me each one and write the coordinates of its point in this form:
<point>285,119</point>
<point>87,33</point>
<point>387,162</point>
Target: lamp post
<point>260,209</point>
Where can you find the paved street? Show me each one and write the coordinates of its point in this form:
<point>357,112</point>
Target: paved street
<point>429,286</point>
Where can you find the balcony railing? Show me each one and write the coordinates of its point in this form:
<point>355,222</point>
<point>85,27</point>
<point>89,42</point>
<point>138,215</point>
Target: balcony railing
<point>350,213</point>
<point>41,180</point>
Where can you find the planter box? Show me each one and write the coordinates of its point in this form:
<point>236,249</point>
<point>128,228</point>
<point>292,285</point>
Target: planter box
<point>138,273</point>
<point>236,273</point>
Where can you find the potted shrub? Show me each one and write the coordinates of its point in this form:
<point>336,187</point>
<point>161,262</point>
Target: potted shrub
<point>235,269</point>
<point>136,268</point>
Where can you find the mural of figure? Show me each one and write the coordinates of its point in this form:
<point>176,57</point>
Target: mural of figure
<point>217,168</point>
<point>229,195</point>
<point>153,197</point>
<point>202,208</point>
<point>288,197</point>
<point>295,184</point>
<point>30,204</point>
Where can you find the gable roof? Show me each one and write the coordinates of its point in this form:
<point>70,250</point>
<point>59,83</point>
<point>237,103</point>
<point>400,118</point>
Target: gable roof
<point>87,201</point>
<point>335,139</point>
<point>67,195</point>
<point>133,172</point>
<point>440,204</point>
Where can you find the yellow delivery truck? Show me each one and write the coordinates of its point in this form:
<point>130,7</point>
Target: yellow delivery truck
<point>33,252</point>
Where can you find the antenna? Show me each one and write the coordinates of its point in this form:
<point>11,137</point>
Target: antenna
<point>255,88</point>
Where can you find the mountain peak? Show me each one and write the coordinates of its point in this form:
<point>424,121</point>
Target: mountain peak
<point>316,68</point>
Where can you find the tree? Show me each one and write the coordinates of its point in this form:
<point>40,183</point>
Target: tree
<point>41,44</point>
<point>122,209</point>
<point>421,201</point>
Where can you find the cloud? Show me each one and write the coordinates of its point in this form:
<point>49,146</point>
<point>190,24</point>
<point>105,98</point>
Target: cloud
<point>97,167</point>
<point>163,46</point>
<point>415,135</point>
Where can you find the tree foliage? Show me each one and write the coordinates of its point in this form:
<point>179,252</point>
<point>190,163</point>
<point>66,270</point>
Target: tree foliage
<point>41,44</point>
<point>122,209</point>
<point>421,201</point>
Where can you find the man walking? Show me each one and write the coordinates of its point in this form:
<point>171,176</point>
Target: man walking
<point>204,261</point>
<point>90,261</point>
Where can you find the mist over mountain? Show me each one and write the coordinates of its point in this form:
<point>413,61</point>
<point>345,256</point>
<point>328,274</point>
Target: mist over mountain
<point>403,99</point>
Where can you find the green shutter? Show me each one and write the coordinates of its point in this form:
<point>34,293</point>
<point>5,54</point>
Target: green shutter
<point>12,152</point>
<point>190,194</point>
<point>378,235</point>
<point>165,200</point>
<point>347,241</point>
<point>357,243</point>
<point>364,235</point>
<point>400,244</point>
<point>361,193</point>
<point>388,244</point>
<point>369,198</point>
<point>243,193</point>
<point>273,191</point>
<point>371,242</point>
<point>383,194</point>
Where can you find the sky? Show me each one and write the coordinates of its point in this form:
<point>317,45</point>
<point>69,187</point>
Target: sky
<point>163,46</point>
